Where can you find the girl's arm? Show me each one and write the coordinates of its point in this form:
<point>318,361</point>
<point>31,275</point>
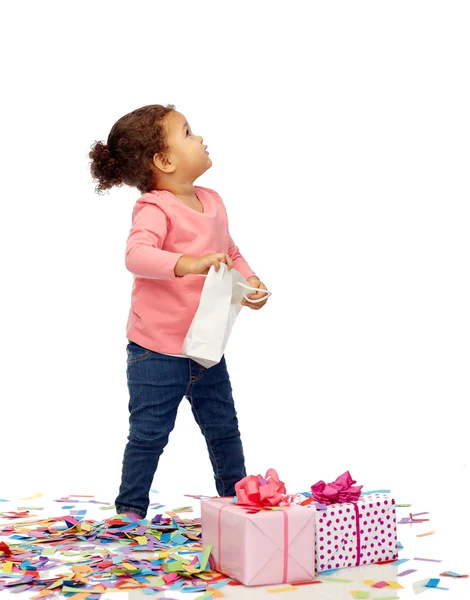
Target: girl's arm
<point>144,254</point>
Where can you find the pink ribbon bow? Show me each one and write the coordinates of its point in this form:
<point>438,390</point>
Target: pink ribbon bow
<point>340,490</point>
<point>261,491</point>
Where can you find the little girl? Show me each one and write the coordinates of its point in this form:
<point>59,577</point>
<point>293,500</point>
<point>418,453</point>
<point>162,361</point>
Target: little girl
<point>178,231</point>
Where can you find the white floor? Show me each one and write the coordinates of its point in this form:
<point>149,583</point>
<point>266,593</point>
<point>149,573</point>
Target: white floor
<point>450,543</point>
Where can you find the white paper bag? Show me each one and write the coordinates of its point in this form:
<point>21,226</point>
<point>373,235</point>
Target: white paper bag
<point>219,306</point>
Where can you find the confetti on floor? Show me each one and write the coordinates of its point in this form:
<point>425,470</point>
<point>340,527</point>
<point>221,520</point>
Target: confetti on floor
<point>31,548</point>
<point>428,559</point>
<point>79,550</point>
<point>434,583</point>
<point>403,573</point>
<point>400,561</point>
<point>284,589</point>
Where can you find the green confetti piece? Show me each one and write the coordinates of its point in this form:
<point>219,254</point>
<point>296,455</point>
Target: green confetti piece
<point>49,551</point>
<point>174,566</point>
<point>30,508</point>
<point>337,580</point>
<point>158,581</point>
<point>401,506</point>
<point>359,595</point>
<point>110,507</point>
<point>205,558</point>
<point>181,508</point>
<point>55,584</point>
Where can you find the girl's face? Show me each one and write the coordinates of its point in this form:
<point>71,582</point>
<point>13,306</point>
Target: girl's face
<point>187,152</point>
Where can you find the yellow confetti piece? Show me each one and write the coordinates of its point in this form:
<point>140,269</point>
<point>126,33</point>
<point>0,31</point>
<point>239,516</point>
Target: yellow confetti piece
<point>284,589</point>
<point>85,526</point>
<point>369,581</point>
<point>7,567</point>
<point>395,585</point>
<point>424,534</point>
<point>141,540</point>
<point>38,495</point>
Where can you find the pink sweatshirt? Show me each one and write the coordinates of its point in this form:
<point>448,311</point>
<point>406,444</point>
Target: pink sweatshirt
<point>163,230</point>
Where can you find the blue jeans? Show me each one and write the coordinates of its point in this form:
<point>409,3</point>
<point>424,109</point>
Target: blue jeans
<point>157,384</point>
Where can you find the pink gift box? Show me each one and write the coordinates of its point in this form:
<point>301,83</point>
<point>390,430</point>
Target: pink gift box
<point>264,548</point>
<point>356,533</point>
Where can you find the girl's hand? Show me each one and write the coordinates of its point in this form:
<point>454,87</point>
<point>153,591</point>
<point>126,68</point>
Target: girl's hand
<point>188,265</point>
<point>256,283</point>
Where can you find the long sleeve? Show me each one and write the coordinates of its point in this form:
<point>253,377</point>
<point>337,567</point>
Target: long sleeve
<point>144,254</point>
<point>239,262</point>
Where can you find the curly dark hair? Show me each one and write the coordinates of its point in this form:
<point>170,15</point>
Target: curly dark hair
<point>132,142</point>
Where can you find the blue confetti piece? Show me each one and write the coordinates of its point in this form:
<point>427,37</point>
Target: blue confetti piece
<point>219,584</point>
<point>327,572</point>
<point>400,561</point>
<point>177,585</point>
<point>375,492</point>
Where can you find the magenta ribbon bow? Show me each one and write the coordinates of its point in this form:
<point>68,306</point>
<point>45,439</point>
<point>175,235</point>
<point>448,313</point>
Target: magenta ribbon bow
<point>261,491</point>
<point>340,490</point>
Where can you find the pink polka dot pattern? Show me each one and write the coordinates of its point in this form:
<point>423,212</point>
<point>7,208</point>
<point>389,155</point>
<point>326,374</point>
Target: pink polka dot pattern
<point>336,542</point>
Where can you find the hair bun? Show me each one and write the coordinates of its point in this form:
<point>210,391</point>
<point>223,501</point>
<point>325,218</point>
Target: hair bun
<point>105,168</point>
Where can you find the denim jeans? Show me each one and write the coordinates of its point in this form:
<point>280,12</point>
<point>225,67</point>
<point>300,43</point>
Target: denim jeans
<point>157,384</point>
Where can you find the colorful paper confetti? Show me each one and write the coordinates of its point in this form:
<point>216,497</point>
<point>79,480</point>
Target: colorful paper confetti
<point>403,573</point>
<point>34,547</point>
<point>428,559</point>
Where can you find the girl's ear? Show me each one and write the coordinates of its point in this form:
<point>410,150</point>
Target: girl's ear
<point>163,163</point>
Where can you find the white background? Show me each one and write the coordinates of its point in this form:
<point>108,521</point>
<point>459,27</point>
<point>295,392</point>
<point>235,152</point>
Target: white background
<point>339,134</point>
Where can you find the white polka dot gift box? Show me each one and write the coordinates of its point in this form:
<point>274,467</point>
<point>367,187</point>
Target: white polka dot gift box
<point>350,529</point>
